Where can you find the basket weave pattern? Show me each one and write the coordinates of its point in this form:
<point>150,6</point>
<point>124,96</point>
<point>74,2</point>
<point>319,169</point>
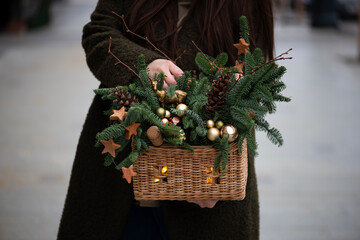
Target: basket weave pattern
<point>188,175</point>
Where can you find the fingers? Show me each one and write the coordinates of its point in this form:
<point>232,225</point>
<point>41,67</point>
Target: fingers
<point>165,86</point>
<point>175,70</point>
<point>170,70</point>
<point>169,78</point>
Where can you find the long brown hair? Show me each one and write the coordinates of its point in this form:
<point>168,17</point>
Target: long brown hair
<point>216,20</point>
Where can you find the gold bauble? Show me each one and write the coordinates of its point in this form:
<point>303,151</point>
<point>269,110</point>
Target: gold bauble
<point>210,123</point>
<point>165,121</point>
<point>219,124</point>
<point>156,180</point>
<point>230,131</point>
<point>182,107</point>
<point>167,114</point>
<point>160,112</point>
<point>213,133</point>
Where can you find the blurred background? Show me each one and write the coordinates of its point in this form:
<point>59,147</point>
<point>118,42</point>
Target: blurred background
<point>307,187</point>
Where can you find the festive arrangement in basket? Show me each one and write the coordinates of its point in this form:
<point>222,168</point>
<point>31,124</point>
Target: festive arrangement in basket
<point>191,141</point>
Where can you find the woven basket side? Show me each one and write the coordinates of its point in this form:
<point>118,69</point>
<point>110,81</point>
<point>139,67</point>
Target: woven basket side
<point>188,174</point>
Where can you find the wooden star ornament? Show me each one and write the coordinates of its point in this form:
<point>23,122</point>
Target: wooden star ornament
<point>110,146</point>
<point>118,114</point>
<point>242,46</point>
<point>128,173</point>
<point>239,66</point>
<point>131,130</point>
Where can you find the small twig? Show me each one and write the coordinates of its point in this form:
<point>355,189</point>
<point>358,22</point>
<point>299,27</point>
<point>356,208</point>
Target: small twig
<point>182,54</point>
<point>210,62</point>
<point>120,62</point>
<point>137,35</point>
<point>273,60</point>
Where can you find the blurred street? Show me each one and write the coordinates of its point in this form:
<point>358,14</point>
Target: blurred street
<point>307,187</point>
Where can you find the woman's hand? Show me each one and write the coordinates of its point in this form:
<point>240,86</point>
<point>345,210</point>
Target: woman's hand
<point>205,203</point>
<point>170,70</point>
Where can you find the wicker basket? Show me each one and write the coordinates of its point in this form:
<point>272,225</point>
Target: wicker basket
<point>172,173</point>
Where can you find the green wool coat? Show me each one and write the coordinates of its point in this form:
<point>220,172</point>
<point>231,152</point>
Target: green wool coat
<point>99,200</point>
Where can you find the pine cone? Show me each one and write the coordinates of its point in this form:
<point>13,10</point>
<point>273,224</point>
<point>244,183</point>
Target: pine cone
<point>216,96</point>
<point>195,73</point>
<point>123,98</point>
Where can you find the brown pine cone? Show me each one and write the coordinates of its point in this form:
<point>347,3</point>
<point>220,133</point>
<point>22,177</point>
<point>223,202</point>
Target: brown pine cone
<point>123,98</point>
<point>216,96</point>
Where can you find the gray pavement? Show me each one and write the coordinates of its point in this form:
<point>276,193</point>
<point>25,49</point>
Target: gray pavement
<point>307,187</point>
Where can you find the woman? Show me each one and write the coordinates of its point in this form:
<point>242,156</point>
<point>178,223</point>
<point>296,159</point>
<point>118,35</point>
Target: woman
<point>99,203</point>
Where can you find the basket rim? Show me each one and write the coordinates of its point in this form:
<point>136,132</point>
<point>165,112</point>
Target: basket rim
<point>196,148</point>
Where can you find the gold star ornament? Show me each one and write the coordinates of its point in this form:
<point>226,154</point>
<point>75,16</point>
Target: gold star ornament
<point>110,146</point>
<point>242,46</point>
<point>128,173</point>
<point>118,115</point>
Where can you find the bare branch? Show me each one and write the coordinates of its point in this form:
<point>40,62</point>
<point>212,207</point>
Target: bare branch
<point>120,62</point>
<point>137,35</point>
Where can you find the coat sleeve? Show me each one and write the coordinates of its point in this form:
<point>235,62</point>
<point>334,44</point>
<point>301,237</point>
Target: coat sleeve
<point>95,41</point>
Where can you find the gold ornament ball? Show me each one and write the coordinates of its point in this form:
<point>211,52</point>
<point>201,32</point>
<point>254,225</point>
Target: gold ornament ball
<point>210,123</point>
<point>213,133</point>
<point>160,112</point>
<point>167,114</point>
<point>219,124</point>
<point>165,121</point>
<point>230,131</point>
<point>182,107</point>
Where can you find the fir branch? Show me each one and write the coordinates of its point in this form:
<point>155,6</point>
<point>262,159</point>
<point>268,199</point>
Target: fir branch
<point>108,160</point>
<point>114,131</point>
<point>170,92</point>
<point>223,146</point>
<point>244,29</point>
<point>103,91</point>
<point>212,63</point>
<point>242,117</point>
<point>141,64</point>
<point>183,81</point>
<point>129,160</point>
<point>221,59</point>
<point>188,147</point>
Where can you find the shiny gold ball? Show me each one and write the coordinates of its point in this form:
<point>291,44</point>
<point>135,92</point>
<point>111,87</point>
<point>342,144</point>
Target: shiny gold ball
<point>165,121</point>
<point>219,124</point>
<point>183,107</point>
<point>213,133</point>
<point>167,114</point>
<point>230,131</point>
<point>160,112</point>
<point>210,123</point>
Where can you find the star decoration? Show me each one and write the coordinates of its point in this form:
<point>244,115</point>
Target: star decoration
<point>118,114</point>
<point>239,66</point>
<point>128,173</point>
<point>131,130</point>
<point>242,46</point>
<point>110,146</point>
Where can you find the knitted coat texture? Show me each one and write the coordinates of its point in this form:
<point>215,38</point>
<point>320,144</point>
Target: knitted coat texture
<point>99,200</point>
